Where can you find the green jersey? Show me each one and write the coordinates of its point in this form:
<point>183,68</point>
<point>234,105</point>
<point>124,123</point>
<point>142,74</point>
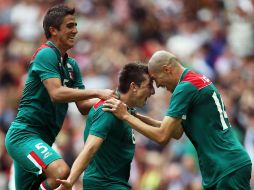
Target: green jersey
<point>197,101</point>
<point>36,112</point>
<point>110,166</point>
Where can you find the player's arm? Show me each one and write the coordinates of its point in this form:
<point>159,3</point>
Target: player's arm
<point>178,132</point>
<point>169,128</point>
<point>91,146</point>
<point>85,105</point>
<point>148,120</point>
<point>59,93</point>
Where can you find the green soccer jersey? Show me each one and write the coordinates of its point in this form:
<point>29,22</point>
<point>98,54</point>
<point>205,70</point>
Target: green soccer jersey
<point>36,112</point>
<point>110,166</point>
<point>197,101</point>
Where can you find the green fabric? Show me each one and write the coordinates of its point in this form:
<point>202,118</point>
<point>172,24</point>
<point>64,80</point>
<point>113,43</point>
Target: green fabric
<point>110,166</point>
<point>20,143</point>
<point>23,179</point>
<point>36,109</point>
<point>238,180</point>
<point>21,146</point>
<point>206,124</point>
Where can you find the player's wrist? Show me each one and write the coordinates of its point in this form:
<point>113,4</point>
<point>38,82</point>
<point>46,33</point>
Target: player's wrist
<point>98,93</point>
<point>71,180</point>
<point>126,116</point>
<point>71,183</point>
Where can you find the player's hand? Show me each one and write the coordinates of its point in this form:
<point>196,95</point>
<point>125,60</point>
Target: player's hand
<point>117,107</point>
<point>105,94</point>
<point>65,185</point>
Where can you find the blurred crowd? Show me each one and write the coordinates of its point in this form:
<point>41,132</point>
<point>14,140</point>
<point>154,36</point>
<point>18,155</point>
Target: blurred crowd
<point>212,37</point>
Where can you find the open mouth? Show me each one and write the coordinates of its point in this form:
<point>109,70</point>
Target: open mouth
<point>71,38</point>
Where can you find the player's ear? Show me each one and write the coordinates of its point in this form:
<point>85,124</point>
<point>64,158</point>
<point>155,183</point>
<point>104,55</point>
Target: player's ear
<point>53,31</point>
<point>133,87</point>
<point>166,68</point>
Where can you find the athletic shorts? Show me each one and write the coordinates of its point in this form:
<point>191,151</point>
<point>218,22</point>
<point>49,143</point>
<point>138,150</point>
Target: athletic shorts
<point>103,185</point>
<point>29,151</point>
<point>237,180</point>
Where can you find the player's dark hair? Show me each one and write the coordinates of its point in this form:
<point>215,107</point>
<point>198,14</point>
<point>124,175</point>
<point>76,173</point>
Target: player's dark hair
<point>131,72</point>
<point>54,17</point>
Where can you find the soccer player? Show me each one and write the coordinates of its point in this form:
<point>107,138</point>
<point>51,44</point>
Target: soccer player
<point>53,80</point>
<point>110,142</point>
<point>196,108</point>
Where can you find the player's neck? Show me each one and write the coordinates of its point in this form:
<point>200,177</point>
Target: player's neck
<point>179,73</point>
<point>59,46</point>
<point>126,99</point>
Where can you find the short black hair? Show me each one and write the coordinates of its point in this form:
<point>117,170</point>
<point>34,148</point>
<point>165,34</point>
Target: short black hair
<point>131,72</point>
<point>54,17</point>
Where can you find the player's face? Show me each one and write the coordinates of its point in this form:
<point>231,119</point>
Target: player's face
<point>162,79</point>
<point>144,91</point>
<point>68,30</point>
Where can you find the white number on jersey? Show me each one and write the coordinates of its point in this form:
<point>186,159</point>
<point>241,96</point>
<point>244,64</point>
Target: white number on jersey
<point>40,146</point>
<point>221,110</point>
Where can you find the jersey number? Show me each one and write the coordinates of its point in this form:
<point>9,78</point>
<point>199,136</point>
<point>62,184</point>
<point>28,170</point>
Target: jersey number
<point>40,146</point>
<point>221,110</point>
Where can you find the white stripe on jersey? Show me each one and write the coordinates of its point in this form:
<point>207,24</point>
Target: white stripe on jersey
<point>42,187</point>
<point>35,163</point>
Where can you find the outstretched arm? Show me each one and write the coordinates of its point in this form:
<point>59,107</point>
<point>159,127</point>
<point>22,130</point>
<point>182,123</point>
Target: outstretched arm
<point>148,120</point>
<point>85,105</point>
<point>169,128</point>
<point>91,146</point>
<point>177,133</point>
<point>59,93</point>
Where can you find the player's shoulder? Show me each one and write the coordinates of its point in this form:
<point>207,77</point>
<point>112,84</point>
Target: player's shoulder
<point>192,79</point>
<point>97,110</point>
<point>45,52</point>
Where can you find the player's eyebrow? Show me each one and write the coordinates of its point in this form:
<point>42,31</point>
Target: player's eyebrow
<point>71,24</point>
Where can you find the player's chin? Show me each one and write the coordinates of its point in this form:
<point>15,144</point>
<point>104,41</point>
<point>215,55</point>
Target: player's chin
<point>71,42</point>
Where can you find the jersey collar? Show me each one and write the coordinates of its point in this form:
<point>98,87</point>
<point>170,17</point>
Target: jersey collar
<point>58,52</point>
<point>52,44</point>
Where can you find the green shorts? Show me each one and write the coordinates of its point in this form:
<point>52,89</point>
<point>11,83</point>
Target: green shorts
<point>30,154</point>
<point>104,185</point>
<point>237,180</point>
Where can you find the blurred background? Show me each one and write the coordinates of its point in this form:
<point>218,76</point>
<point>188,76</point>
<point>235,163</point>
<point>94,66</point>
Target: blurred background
<point>212,37</point>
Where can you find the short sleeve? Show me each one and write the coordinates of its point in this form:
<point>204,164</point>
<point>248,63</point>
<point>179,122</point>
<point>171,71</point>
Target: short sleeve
<point>181,100</point>
<point>45,64</point>
<point>102,123</point>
